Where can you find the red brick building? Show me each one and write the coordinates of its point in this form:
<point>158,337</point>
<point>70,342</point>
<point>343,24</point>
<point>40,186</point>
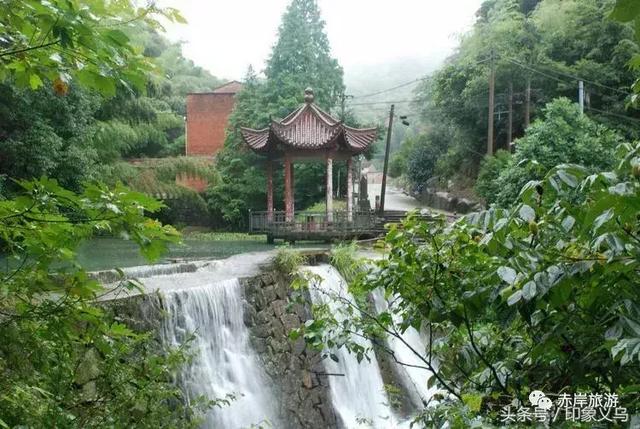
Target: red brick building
<point>207,119</point>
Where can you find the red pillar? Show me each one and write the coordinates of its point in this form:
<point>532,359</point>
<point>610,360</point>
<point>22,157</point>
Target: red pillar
<point>349,189</point>
<point>288,200</point>
<point>269,190</point>
<point>293,190</point>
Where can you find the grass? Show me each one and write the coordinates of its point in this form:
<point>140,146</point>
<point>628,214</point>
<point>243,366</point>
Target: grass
<point>287,260</point>
<point>344,259</point>
<point>322,206</point>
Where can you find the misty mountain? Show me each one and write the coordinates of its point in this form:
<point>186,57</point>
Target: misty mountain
<point>364,79</point>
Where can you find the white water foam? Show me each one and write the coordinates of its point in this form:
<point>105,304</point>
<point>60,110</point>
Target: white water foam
<point>358,396</point>
<point>415,378</point>
<point>223,362</point>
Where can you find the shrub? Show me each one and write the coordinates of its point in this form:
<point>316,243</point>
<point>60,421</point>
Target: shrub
<point>287,260</point>
<point>422,163</point>
<point>345,259</point>
<point>490,170</point>
<point>542,295</point>
<point>66,360</point>
<point>562,135</point>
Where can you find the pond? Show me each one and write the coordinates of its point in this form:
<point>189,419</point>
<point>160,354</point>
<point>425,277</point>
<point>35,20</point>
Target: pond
<point>108,253</point>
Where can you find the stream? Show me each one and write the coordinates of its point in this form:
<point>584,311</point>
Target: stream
<point>207,306</point>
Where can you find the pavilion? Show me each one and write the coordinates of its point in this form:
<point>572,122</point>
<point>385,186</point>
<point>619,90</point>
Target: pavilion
<point>308,133</point>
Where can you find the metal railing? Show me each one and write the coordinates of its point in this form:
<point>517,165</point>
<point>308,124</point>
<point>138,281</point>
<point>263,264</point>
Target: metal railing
<point>260,222</point>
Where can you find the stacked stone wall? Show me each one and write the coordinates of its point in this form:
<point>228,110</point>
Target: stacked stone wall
<point>296,371</point>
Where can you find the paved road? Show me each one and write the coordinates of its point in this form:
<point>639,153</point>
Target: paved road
<point>395,199</point>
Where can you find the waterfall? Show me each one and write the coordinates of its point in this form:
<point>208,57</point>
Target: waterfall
<point>358,396</point>
<point>223,361</point>
<point>415,379</point>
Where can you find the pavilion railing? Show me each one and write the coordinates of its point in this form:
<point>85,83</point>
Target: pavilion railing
<point>261,222</point>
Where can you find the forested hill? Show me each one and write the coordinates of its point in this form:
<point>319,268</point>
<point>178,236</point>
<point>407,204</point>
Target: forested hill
<point>76,133</point>
<point>371,86</point>
<point>538,47</point>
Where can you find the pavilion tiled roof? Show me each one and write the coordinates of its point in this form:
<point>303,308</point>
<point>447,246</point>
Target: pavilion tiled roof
<point>309,128</point>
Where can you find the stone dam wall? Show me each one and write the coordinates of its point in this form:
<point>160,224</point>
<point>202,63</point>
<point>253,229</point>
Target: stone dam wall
<point>297,373</point>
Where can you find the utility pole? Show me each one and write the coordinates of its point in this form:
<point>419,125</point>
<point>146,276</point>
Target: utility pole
<point>527,103</point>
<point>581,95</point>
<point>510,126</point>
<point>492,88</point>
<point>343,99</point>
<point>386,161</point>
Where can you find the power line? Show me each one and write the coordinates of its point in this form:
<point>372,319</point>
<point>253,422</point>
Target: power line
<point>536,71</point>
<point>617,115</point>
<point>402,85</point>
<point>563,80</point>
<point>567,75</point>
<point>382,102</point>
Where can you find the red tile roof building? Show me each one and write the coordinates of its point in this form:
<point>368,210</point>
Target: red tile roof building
<point>207,119</point>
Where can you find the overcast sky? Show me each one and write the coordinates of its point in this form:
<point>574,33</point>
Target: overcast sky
<point>225,36</point>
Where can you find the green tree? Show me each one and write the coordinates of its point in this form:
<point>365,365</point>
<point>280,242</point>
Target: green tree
<point>300,58</point>
<point>561,135</point>
<point>628,11</point>
<point>67,361</point>
<point>45,134</point>
<point>60,41</point>
<point>78,135</point>
<point>151,123</point>
<point>544,44</point>
<point>539,296</point>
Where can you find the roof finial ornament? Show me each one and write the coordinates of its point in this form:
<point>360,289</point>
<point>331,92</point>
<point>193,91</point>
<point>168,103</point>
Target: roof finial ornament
<point>308,95</point>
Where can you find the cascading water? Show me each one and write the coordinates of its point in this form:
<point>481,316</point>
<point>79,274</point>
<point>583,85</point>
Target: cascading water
<point>415,378</point>
<point>223,361</point>
<point>358,395</point>
<point>204,303</point>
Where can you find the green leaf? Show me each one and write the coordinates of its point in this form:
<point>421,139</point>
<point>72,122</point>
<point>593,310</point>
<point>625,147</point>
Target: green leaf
<point>568,222</point>
<point>602,219</point>
<point>120,330</point>
<point>294,334</point>
<point>529,290</point>
<point>568,179</point>
<point>625,10</point>
<point>507,274</point>
<point>635,327</point>
<point>515,298</point>
<point>34,81</point>
<point>92,79</point>
<point>118,36</point>
<point>527,213</point>
<point>473,401</point>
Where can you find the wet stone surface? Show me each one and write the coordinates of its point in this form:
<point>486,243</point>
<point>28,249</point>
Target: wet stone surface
<point>304,397</point>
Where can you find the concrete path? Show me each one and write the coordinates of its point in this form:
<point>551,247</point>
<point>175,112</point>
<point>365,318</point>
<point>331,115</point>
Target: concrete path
<point>395,199</point>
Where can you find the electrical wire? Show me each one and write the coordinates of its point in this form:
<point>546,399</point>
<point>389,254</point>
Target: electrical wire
<point>563,79</point>
<point>537,71</point>
<point>567,75</point>
<point>402,85</point>
<point>617,115</point>
<point>382,102</point>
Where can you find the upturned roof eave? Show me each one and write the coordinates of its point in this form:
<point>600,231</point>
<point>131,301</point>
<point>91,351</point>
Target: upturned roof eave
<point>294,132</point>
